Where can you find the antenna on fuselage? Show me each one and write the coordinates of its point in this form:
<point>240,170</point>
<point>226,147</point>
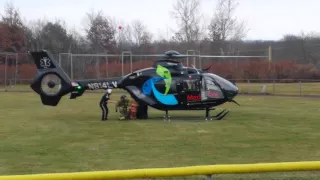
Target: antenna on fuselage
<point>195,68</point>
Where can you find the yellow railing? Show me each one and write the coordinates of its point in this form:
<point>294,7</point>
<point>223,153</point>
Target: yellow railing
<point>177,171</point>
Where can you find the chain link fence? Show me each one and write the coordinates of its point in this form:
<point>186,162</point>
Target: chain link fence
<point>18,70</point>
<point>300,87</point>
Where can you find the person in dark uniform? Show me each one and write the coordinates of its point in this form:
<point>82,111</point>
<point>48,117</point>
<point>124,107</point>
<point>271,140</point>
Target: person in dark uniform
<point>142,111</point>
<point>104,104</point>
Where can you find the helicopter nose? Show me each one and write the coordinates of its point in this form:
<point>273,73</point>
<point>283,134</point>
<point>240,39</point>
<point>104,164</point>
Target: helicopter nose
<point>233,92</point>
<point>236,90</point>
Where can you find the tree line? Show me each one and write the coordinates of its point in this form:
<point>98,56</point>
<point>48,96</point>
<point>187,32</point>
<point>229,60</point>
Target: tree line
<point>223,35</point>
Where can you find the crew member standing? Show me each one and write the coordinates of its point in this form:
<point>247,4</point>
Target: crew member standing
<point>104,104</point>
<point>123,104</point>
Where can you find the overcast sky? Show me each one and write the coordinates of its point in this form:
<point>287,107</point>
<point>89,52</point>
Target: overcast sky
<point>266,19</point>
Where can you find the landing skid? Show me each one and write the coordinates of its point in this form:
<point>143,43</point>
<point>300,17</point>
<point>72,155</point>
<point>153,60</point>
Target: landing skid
<point>166,117</point>
<point>219,116</point>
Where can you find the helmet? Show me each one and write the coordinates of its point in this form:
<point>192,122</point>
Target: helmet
<point>123,97</point>
<point>109,91</point>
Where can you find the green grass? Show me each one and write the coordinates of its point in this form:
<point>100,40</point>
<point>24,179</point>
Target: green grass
<point>70,137</point>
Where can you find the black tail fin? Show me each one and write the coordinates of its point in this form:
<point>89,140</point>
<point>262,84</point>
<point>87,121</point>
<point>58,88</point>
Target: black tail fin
<point>51,82</point>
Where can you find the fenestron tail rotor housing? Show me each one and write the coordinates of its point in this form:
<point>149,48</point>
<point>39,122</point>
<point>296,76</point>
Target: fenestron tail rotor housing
<point>51,84</point>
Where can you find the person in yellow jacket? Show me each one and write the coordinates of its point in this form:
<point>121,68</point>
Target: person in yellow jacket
<point>123,105</point>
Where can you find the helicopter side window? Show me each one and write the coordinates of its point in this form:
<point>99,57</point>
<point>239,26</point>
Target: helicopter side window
<point>192,71</point>
<point>191,85</point>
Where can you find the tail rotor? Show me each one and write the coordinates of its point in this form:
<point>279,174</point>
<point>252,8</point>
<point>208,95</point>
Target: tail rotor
<point>51,82</point>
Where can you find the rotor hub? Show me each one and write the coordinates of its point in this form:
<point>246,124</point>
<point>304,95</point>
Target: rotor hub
<point>51,84</point>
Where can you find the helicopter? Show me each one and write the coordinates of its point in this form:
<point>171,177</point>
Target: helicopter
<point>168,85</point>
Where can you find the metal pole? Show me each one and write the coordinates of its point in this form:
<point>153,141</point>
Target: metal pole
<point>107,66</point>
<point>15,79</point>
<point>122,64</point>
<point>123,54</point>
<point>200,61</point>
<point>200,64</point>
<point>300,88</point>
<point>71,67</point>
<point>270,54</point>
<point>60,55</point>
<point>5,73</point>
<point>98,67</point>
<point>274,86</point>
<point>145,55</point>
<point>194,60</point>
<point>131,61</point>
<point>188,57</point>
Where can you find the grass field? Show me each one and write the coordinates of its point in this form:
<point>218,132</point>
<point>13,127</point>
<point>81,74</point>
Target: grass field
<point>71,137</point>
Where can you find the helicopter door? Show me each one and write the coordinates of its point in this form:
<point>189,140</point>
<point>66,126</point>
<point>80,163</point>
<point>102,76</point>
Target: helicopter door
<point>209,89</point>
<point>193,90</point>
<point>203,90</point>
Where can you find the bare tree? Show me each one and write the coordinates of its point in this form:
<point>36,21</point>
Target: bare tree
<point>188,17</point>
<point>224,26</point>
<point>36,38</point>
<point>125,37</point>
<point>146,39</point>
<point>56,37</point>
<point>12,16</point>
<point>123,34</point>
<point>140,34</point>
<point>138,29</point>
<point>100,32</point>
<point>11,20</point>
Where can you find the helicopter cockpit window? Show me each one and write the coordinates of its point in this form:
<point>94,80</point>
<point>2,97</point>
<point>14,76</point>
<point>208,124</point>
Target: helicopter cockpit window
<point>209,84</point>
<point>223,83</point>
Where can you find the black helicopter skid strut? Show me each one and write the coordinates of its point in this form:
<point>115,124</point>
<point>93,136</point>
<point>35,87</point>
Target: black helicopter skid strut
<point>219,116</point>
<point>166,117</point>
